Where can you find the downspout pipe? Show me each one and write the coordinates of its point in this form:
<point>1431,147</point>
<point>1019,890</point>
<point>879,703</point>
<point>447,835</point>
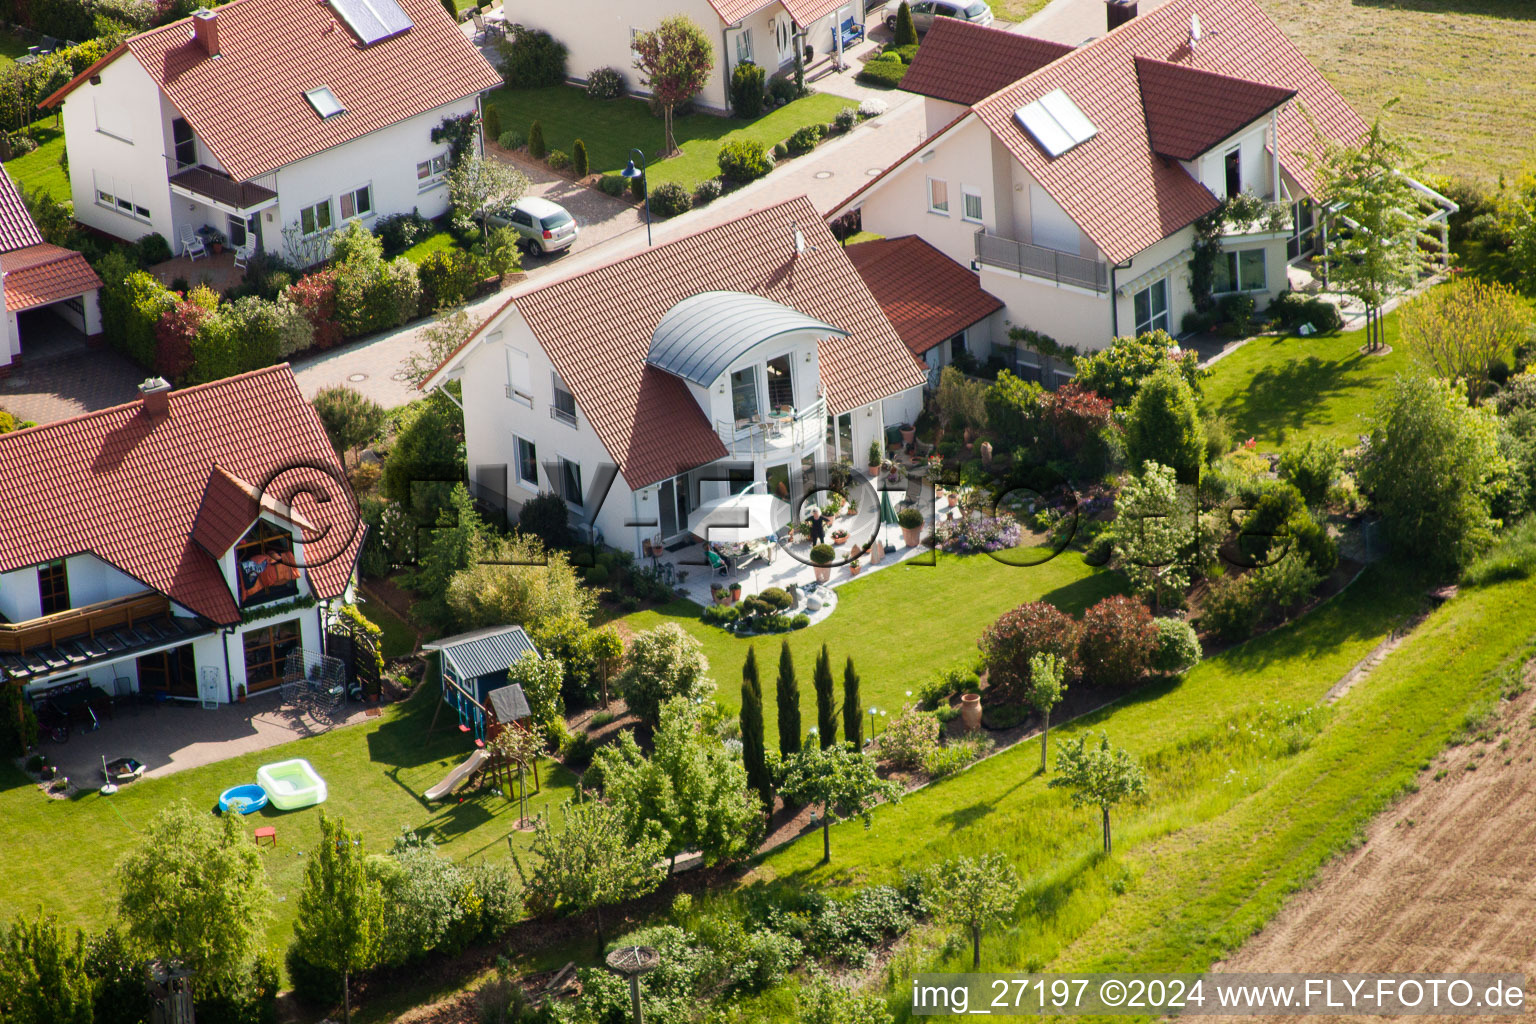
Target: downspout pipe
<point>1114,296</point>
<point>229,678</point>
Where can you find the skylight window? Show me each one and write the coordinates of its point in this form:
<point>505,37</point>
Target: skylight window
<point>1055,122</point>
<point>324,102</point>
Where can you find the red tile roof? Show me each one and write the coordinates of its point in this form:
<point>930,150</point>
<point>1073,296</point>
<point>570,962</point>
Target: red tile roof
<point>1123,195</point>
<point>965,63</point>
<point>228,510</point>
<point>1188,110</point>
<point>43,273</point>
<point>128,488</point>
<point>596,328</point>
<point>927,296</point>
<point>16,227</point>
<point>732,11</point>
<point>248,105</point>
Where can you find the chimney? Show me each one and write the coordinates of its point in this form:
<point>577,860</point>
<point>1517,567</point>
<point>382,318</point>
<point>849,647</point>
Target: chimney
<point>205,29</point>
<point>156,395</point>
<point>1118,12</point>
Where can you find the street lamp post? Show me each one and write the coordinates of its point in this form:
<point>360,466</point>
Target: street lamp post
<point>630,174</point>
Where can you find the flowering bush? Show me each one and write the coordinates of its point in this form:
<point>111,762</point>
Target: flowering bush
<point>872,108</point>
<point>1117,641</point>
<point>966,534</point>
<point>1020,634</point>
<point>1073,415</point>
<point>910,739</point>
<point>315,294</point>
<point>173,338</point>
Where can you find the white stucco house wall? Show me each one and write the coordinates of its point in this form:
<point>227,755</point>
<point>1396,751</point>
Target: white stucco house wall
<point>597,34</point>
<point>1069,180</point>
<point>266,115</point>
<point>166,545</point>
<point>747,355</point>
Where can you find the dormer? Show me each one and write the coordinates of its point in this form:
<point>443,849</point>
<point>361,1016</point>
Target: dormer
<point>257,541</point>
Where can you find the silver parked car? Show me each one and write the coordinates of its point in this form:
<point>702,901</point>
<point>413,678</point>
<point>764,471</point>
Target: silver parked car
<point>924,11</point>
<point>545,227</point>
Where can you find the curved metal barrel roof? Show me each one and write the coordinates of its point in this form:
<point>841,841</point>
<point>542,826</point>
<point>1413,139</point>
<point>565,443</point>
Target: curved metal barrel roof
<point>705,333</point>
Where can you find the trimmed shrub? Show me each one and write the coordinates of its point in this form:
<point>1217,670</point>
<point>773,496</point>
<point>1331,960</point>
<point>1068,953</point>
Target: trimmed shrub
<point>511,139</point>
<point>238,336</point>
<point>1286,584</point>
<point>545,516</point>
<point>882,73</point>
<point>399,231</point>
<point>1116,642</point>
<point>636,186</point>
<point>846,118</point>
<point>905,54</point>
<point>780,151</point>
<point>747,91</point>
<point>670,199</point>
<point>294,331</point>
<point>606,83</point>
<point>1232,608</point>
<point>448,277</point>
<point>782,90</point>
<point>612,184</point>
<point>708,191</point>
<point>152,248</point>
<point>777,598</point>
<point>315,296</point>
<point>131,309</point>
<point>743,160</point>
<point>805,139</point>
<point>580,165</point>
<point>1018,635</point>
<point>905,33</point>
<point>492,121</point>
<point>531,57</point>
<point>1178,648</point>
<point>1292,309</point>
<point>559,160</point>
<point>536,145</point>
<point>173,338</point>
<point>1311,467</point>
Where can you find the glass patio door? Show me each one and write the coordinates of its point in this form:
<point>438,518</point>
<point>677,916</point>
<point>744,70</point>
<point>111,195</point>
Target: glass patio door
<point>672,497</point>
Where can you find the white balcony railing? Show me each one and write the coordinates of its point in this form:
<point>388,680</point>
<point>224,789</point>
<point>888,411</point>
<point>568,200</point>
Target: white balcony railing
<point>793,432</point>
<point>1038,261</point>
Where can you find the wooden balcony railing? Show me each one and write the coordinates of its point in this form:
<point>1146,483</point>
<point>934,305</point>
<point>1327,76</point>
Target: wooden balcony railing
<point>87,620</point>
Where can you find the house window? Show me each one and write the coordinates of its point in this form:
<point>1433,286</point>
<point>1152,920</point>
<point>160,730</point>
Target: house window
<point>185,143</point>
<point>957,346</point>
<point>265,565</point>
<point>1303,229</point>
<point>240,229</point>
<point>1151,304</point>
<point>570,481</point>
<point>430,173</point>
<point>519,377</point>
<point>634,52</point>
<point>744,46</point>
<point>744,396</point>
<point>53,587</point>
<point>325,102</point>
<point>1233,164</point>
<point>266,653</point>
<point>938,196</point>
<point>107,196</point>
<point>315,219</point>
<point>970,204</point>
<point>564,408</point>
<point>781,385</point>
<point>357,203</point>
<point>1241,271</point>
<point>527,462</point>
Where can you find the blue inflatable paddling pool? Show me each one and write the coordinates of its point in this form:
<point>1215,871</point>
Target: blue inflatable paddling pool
<point>247,799</point>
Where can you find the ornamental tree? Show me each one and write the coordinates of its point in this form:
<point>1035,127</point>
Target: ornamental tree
<point>44,973</point>
<point>194,889</point>
<point>1044,691</point>
<point>674,61</point>
<point>1018,635</point>
<point>906,28</point>
<point>1460,329</point>
<point>350,418</point>
<point>1117,641</point>
<point>607,650</point>
<point>788,694</point>
<point>540,676</point>
<point>1379,246</point>
<point>1099,776</point>
<point>754,748</point>
<point>341,908</point>
<point>976,894</point>
<point>853,708</point>
<point>477,187</point>
<point>1163,426</point>
<point>826,700</point>
<point>1150,535</point>
<point>842,781</point>
<point>664,662</point>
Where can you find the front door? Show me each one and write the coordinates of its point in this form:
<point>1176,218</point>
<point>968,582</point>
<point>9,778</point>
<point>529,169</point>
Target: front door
<point>784,36</point>
<point>172,672</point>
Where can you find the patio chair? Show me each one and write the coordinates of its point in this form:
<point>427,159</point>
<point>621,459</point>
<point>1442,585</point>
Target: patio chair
<point>192,244</point>
<point>482,34</point>
<point>245,253</point>
<point>718,564</point>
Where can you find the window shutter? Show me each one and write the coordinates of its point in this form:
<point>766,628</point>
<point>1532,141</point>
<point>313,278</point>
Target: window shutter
<point>519,373</point>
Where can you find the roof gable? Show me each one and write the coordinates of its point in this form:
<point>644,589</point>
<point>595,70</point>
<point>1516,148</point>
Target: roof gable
<point>1121,193</point>
<point>960,62</point>
<point>1189,111</point>
<point>247,104</point>
<point>130,488</point>
<point>927,296</point>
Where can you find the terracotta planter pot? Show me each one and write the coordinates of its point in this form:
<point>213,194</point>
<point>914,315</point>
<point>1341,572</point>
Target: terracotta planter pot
<point>874,471</point>
<point>735,593</point>
<point>854,568</point>
<point>907,436</point>
<point>970,712</point>
<point>953,501</point>
<point>986,453</point>
<point>823,573</point>
<point>911,535</point>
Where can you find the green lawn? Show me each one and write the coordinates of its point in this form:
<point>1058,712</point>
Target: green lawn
<point>901,624</point>
<point>40,169</point>
<point>400,638</point>
<point>439,242</point>
<point>611,128</point>
<point>11,47</point>
<point>375,773</point>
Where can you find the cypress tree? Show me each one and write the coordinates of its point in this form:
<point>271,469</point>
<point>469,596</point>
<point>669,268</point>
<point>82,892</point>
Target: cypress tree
<point>826,700</point>
<point>789,704</point>
<point>906,29</point>
<point>753,749</point>
<point>579,163</point>
<point>536,145</point>
<point>853,708</point>
<point>492,122</point>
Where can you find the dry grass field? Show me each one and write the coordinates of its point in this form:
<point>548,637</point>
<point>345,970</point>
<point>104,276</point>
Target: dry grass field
<point>1443,881</point>
<point>1462,70</point>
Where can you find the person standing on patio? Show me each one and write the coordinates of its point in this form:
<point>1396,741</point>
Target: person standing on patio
<point>818,526</point>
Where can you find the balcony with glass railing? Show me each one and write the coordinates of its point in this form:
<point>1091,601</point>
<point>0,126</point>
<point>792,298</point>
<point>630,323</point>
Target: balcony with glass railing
<point>781,432</point>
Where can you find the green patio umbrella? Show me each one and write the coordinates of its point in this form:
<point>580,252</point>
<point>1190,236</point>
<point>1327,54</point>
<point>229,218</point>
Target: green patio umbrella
<point>887,513</point>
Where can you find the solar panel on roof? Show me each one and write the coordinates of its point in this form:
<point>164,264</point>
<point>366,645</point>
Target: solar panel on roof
<point>372,21</point>
<point>1055,122</point>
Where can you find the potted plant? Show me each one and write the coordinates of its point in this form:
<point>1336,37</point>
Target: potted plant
<point>735,592</point>
<point>839,536</point>
<point>821,560</point>
<point>911,522</point>
<point>874,458</point>
<point>216,241</point>
<point>892,471</point>
<point>908,433</point>
<point>853,566</point>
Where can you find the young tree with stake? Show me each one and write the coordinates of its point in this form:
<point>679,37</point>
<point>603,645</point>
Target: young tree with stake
<point>674,62</point>
<point>1098,776</point>
<point>976,894</point>
<point>1043,692</point>
<point>842,781</point>
<point>826,700</point>
<point>341,908</point>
